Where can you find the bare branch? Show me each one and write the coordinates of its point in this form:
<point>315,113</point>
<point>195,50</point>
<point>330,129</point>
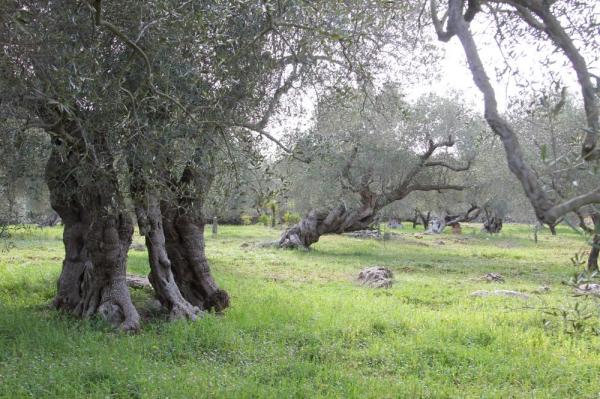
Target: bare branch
<point>443,35</point>
<point>434,187</point>
<point>573,204</point>
<point>270,137</point>
<point>279,92</point>
<point>455,168</point>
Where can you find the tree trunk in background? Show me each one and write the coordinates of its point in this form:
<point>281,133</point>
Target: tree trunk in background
<point>493,224</point>
<point>334,221</point>
<point>595,251</point>
<point>425,219</point>
<point>273,215</point>
<point>97,236</point>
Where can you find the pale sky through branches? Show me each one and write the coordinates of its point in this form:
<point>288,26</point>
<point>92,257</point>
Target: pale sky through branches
<point>525,76</point>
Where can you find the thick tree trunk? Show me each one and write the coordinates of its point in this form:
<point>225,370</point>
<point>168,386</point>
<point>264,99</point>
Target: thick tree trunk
<point>161,275</point>
<point>493,225</point>
<point>184,235</point>
<point>62,189</point>
<point>104,287</point>
<point>150,222</point>
<point>183,225</point>
<point>595,251</point>
<point>317,223</point>
<point>96,236</point>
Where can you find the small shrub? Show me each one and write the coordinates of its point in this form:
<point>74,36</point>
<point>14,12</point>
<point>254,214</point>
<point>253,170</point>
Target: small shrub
<point>246,219</point>
<point>264,219</point>
<point>290,218</point>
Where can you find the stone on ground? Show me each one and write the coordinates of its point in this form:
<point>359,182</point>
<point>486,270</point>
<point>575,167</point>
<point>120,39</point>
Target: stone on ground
<point>376,277</point>
<point>134,281</point>
<point>588,289</point>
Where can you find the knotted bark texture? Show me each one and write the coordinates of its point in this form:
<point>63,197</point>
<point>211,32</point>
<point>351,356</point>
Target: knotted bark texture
<point>174,232</point>
<point>319,222</point>
<point>97,234</point>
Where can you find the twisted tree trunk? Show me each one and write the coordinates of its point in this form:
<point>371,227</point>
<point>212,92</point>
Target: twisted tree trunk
<point>184,236</point>
<point>150,222</point>
<point>161,274</point>
<point>319,222</point>
<point>183,225</point>
<point>62,187</point>
<point>97,236</point>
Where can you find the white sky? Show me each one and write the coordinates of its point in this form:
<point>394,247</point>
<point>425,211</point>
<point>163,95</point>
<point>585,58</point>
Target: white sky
<point>454,76</point>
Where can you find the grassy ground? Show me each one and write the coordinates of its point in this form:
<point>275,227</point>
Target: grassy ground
<point>299,325</point>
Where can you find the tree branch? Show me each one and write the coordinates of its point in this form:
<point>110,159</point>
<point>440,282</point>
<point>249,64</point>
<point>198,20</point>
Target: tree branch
<point>455,168</point>
<point>434,187</point>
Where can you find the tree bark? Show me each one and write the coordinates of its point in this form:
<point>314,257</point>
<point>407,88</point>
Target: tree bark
<point>97,236</point>
<point>104,287</point>
<point>183,225</point>
<point>595,251</point>
<point>62,189</point>
<point>161,275</point>
<point>318,222</point>
<point>150,222</point>
<point>184,235</point>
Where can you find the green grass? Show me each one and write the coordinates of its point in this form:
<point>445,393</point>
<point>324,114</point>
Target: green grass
<point>299,325</point>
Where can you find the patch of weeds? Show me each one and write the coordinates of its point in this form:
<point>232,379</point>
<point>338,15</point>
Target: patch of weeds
<point>576,319</point>
<point>480,338</point>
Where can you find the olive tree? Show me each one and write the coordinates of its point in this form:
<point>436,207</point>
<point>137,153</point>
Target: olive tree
<point>543,21</point>
<point>378,150</point>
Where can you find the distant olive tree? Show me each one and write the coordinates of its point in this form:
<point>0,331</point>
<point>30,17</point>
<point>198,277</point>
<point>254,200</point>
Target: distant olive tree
<point>370,152</point>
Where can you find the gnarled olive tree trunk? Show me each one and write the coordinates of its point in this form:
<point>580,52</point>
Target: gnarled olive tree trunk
<point>170,217</point>
<point>63,186</point>
<point>184,234</point>
<point>97,236</point>
<point>320,222</point>
<point>183,225</point>
<point>161,276</point>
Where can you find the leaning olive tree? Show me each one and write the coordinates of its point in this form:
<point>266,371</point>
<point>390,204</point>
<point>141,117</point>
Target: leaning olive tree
<point>377,150</point>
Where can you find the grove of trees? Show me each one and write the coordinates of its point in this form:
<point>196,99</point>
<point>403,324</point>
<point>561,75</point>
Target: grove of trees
<point>156,112</point>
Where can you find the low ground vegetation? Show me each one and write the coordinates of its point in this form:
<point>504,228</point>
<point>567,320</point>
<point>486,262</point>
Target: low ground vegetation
<point>300,325</point>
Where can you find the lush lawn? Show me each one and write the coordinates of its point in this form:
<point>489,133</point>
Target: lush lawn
<point>300,326</point>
